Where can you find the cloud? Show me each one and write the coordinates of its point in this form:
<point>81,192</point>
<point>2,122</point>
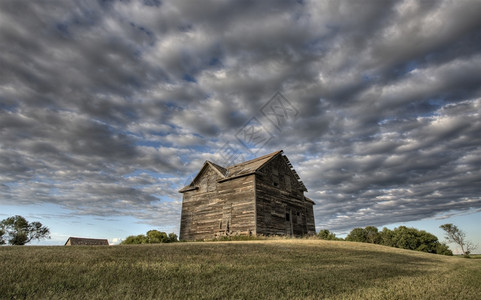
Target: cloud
<point>107,107</point>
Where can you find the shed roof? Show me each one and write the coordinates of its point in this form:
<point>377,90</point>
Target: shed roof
<point>76,241</point>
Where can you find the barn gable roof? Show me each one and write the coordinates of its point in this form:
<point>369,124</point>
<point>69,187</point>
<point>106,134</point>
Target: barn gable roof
<point>250,166</point>
<point>86,242</point>
<point>239,170</point>
<point>207,164</point>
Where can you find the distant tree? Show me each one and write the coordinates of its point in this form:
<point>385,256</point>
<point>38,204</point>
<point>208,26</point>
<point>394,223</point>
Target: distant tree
<point>135,239</point>
<point>400,237</point>
<point>128,240</point>
<point>414,239</point>
<point>386,237</point>
<point>372,235</point>
<point>455,235</point>
<point>443,249</point>
<point>325,234</point>
<point>426,242</point>
<point>19,231</point>
<point>152,237</point>
<point>155,237</point>
<point>173,238</point>
<point>403,238</point>
<point>357,235</point>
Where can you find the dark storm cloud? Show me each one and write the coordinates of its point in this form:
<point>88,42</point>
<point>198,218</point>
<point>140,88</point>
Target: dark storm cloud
<point>106,107</point>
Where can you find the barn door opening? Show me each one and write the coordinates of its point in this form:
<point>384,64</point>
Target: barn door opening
<point>289,225</point>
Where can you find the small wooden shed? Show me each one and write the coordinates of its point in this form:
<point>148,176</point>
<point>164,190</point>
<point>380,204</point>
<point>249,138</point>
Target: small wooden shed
<point>76,241</point>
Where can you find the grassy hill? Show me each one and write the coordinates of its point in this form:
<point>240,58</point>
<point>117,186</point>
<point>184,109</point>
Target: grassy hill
<point>303,269</point>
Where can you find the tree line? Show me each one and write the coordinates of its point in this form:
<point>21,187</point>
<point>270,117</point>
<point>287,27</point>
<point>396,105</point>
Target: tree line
<point>17,231</point>
<point>152,237</point>
<point>407,238</point>
<point>401,237</point>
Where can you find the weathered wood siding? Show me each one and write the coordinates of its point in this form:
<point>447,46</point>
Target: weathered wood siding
<point>281,206</point>
<point>311,226</point>
<point>218,208</point>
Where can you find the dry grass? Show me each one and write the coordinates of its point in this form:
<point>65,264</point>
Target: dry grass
<point>274,269</point>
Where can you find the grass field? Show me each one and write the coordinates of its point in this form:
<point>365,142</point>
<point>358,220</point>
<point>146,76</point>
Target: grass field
<point>274,269</point>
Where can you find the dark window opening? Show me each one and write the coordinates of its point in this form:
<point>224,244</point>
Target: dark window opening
<point>288,217</point>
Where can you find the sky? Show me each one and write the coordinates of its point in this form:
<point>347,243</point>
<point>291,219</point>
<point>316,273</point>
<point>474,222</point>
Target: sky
<point>108,108</point>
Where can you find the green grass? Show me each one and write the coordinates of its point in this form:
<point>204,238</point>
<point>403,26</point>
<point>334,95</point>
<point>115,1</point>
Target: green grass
<point>274,269</point>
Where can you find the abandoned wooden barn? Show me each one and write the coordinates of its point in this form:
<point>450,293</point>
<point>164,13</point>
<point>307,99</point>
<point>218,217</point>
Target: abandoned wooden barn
<point>263,196</point>
<point>76,241</point>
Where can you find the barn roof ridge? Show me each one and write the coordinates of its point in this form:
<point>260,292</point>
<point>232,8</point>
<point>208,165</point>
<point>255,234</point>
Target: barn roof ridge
<point>242,169</point>
<point>251,166</point>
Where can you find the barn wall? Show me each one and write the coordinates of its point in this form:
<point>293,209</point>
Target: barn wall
<point>239,206</point>
<point>218,208</point>
<point>281,207</point>
<point>311,226</point>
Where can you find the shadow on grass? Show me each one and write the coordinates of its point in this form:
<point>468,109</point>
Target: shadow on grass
<point>282,271</point>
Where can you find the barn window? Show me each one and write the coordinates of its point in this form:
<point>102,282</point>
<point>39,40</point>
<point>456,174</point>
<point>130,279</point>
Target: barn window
<point>275,180</point>
<point>288,216</point>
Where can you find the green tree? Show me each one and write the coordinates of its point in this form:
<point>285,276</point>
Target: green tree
<point>400,237</point>
<point>443,249</point>
<point>426,242</point>
<point>173,237</point>
<point>372,235</point>
<point>414,239</point>
<point>155,237</point>
<point>152,237</point>
<point>128,240</point>
<point>387,237</point>
<point>325,234</point>
<point>455,235</point>
<point>19,231</point>
<point>135,239</point>
<point>369,234</point>
<point>403,238</point>
<point>357,235</point>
